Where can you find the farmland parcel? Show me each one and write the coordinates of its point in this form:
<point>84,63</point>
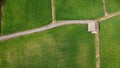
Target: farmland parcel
<point>64,47</point>
<point>110,45</point>
<point>20,15</point>
<point>78,9</point>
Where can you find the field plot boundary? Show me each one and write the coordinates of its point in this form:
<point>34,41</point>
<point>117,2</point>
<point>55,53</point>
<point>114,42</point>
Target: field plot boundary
<point>1,14</point>
<point>104,5</point>
<point>108,16</point>
<point>97,47</point>
<point>53,12</point>
<point>0,17</point>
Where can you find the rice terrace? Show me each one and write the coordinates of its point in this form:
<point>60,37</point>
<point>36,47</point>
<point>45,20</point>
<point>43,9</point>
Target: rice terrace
<point>59,34</point>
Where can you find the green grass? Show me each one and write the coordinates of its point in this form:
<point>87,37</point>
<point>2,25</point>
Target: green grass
<point>110,45</point>
<point>20,15</point>
<point>113,5</point>
<point>64,47</point>
<point>78,9</point>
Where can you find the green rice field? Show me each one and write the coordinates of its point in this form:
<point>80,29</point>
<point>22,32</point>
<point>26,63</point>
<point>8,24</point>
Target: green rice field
<point>110,45</point>
<point>63,47</point>
<point>78,9</point>
<point>20,15</point>
<point>113,5</point>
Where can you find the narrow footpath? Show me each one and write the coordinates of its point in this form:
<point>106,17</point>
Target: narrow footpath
<point>0,15</point>
<point>53,12</point>
<point>97,47</point>
<point>104,6</point>
<point>108,16</point>
<point>97,38</point>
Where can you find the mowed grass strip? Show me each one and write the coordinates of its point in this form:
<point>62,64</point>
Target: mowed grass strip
<point>20,15</point>
<point>113,5</point>
<point>110,45</point>
<point>78,9</point>
<point>64,47</point>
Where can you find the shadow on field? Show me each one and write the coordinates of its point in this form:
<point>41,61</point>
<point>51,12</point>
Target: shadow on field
<point>2,3</point>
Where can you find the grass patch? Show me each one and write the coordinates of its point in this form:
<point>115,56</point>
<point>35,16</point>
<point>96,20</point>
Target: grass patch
<point>64,47</point>
<point>113,5</point>
<point>20,15</point>
<point>110,45</point>
<point>78,9</point>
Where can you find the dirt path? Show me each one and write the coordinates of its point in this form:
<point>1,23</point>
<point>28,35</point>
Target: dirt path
<point>53,12</point>
<point>1,13</point>
<point>108,16</point>
<point>0,16</point>
<point>53,25</point>
<point>97,47</point>
<point>104,6</point>
<point>97,38</point>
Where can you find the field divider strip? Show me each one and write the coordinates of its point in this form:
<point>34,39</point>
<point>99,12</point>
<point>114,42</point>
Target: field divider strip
<point>105,9</point>
<point>108,16</point>
<point>53,12</point>
<point>0,17</point>
<point>97,47</point>
<point>2,4</point>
